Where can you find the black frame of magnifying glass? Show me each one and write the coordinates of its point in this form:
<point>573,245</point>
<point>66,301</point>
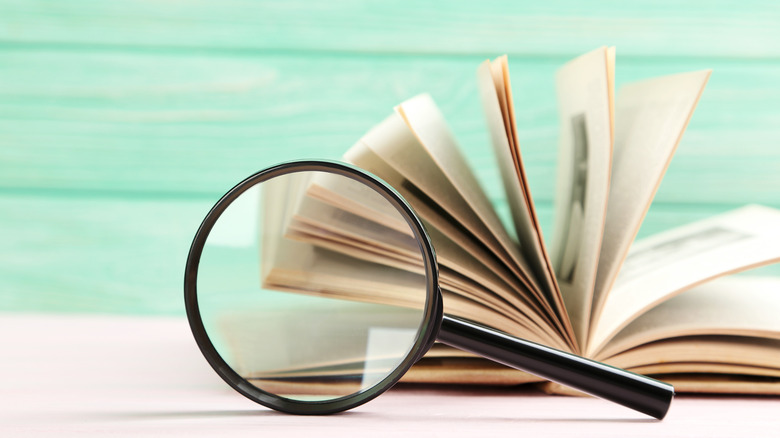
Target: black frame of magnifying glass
<point>432,315</point>
<point>635,391</point>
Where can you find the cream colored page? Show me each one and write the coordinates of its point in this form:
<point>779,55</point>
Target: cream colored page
<point>665,265</point>
<point>584,164</point>
<point>532,243</point>
<point>304,262</point>
<point>439,146</point>
<point>395,143</point>
<point>325,226</point>
<point>759,352</point>
<point>303,267</point>
<point>359,199</point>
<point>727,379</point>
<point>650,119</point>
<point>394,133</point>
<point>717,384</point>
<point>279,198</point>
<point>451,244</point>
<point>611,88</point>
<point>463,255</point>
<point>706,367</point>
<point>301,207</point>
<point>307,269</point>
<point>501,147</point>
<point>734,305</point>
<point>428,125</point>
<point>495,93</point>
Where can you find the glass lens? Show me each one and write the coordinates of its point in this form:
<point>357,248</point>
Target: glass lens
<point>311,286</point>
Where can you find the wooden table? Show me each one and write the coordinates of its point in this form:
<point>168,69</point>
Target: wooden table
<point>63,375</point>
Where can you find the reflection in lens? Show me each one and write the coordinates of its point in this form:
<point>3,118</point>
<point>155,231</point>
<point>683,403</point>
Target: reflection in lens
<point>311,286</point>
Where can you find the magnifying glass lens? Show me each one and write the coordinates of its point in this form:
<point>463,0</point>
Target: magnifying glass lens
<point>311,286</point>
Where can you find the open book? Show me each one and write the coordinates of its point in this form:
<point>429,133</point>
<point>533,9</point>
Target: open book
<point>652,306</point>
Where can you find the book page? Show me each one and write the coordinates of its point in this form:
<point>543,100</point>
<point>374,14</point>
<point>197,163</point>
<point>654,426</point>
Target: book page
<point>664,265</point>
<point>651,116</point>
<point>307,251</point>
<point>726,350</point>
<point>724,384</point>
<point>445,364</point>
<point>438,167</point>
<point>324,225</point>
<point>319,223</point>
<point>707,367</point>
<point>496,96</point>
<point>307,269</point>
<point>278,199</point>
<point>736,305</point>
<point>494,106</point>
<point>584,164</point>
<point>460,253</point>
<point>357,199</point>
<point>395,143</point>
<point>440,176</point>
<point>734,380</point>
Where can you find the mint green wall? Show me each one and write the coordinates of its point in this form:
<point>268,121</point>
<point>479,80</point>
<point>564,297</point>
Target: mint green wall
<point>121,122</point>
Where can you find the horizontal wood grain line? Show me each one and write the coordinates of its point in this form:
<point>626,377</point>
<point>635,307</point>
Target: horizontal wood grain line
<point>713,28</point>
<point>255,52</point>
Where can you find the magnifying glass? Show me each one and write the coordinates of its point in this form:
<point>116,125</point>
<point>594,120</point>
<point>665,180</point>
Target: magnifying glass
<point>311,287</point>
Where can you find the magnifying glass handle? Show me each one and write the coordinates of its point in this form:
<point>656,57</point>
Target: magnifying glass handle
<point>634,391</point>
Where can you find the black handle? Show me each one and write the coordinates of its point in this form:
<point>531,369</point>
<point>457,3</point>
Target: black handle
<point>634,391</point>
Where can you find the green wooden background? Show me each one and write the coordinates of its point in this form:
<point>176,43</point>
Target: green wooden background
<point>122,121</point>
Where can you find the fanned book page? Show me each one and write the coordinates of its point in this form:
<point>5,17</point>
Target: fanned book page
<point>466,245</point>
<point>585,105</point>
<point>644,307</point>
<point>496,96</point>
<point>651,117</point>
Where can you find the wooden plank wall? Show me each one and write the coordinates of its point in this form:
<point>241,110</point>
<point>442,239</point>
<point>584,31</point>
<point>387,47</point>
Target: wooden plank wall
<point>121,122</point>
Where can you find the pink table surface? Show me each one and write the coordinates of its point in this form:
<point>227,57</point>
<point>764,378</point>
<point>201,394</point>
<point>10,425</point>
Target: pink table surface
<point>63,375</point>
